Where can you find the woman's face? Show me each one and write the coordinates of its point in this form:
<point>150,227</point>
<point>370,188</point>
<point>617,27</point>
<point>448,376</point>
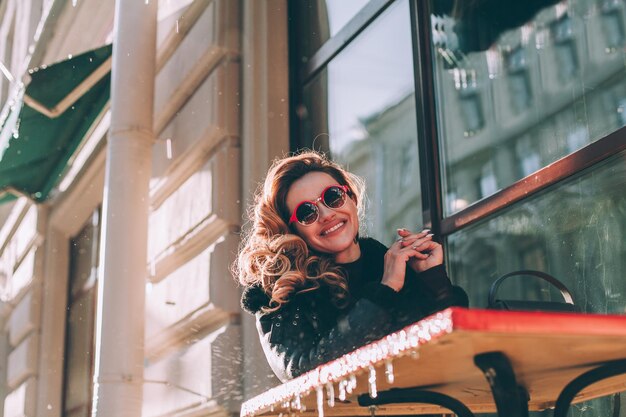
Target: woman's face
<point>335,229</point>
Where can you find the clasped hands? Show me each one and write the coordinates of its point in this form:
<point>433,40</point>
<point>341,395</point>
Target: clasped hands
<point>417,250</point>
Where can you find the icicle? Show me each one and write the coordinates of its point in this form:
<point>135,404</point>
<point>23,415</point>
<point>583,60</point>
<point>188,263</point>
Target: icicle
<point>320,401</point>
<point>176,25</point>
<point>297,403</point>
<point>342,389</point>
<point>389,371</point>
<point>330,393</point>
<point>351,385</point>
<point>372,382</point>
<point>73,3</point>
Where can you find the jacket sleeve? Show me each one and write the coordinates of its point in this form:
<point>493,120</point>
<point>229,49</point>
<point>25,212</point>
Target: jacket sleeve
<point>433,290</point>
<point>293,345</point>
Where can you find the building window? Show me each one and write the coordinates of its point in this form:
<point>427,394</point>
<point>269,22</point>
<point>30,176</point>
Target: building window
<point>81,317</point>
<point>519,79</point>
<point>488,181</point>
<point>528,157</point>
<point>613,25</point>
<point>469,96</point>
<point>565,48</point>
<point>472,112</point>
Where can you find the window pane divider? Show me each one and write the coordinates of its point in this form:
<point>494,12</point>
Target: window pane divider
<point>565,167</point>
<point>337,43</point>
<point>426,117</point>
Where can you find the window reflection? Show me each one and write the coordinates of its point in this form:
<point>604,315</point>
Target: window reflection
<point>575,231</point>
<point>319,20</point>
<point>522,85</point>
<point>361,108</point>
<point>613,25</point>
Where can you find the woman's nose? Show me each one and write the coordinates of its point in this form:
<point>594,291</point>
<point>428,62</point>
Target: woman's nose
<point>326,213</point>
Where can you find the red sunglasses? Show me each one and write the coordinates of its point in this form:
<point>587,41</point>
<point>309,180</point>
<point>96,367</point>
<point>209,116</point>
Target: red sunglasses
<point>307,212</point>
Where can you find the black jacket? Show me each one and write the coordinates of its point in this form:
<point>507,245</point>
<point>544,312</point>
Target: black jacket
<point>309,330</point>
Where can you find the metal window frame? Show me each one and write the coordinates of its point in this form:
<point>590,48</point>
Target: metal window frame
<point>427,127</point>
<point>333,46</point>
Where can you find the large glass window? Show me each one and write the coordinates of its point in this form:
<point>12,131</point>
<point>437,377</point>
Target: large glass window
<point>575,231</point>
<point>361,108</point>
<point>516,88</point>
<point>521,86</point>
<point>518,104</point>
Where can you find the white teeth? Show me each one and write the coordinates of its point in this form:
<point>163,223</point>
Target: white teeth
<point>332,229</point>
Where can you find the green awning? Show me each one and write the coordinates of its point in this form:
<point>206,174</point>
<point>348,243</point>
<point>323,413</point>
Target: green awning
<point>54,113</point>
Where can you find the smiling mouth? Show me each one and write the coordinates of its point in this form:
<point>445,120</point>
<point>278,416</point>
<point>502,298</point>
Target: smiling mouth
<point>332,229</point>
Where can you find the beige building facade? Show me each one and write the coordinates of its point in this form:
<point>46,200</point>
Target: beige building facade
<point>219,117</point>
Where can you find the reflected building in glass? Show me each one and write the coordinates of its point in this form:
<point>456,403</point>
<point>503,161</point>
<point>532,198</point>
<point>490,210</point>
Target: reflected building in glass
<point>505,106</point>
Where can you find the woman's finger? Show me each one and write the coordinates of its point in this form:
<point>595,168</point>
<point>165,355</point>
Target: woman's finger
<point>425,246</point>
<point>418,254</point>
<point>412,252</point>
<point>404,231</point>
<point>416,239</point>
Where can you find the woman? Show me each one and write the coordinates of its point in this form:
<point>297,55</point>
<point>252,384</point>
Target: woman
<point>317,289</point>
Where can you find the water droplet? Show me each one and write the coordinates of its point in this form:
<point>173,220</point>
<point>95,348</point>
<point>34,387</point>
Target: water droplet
<point>389,371</point>
<point>176,25</point>
<point>330,393</point>
<point>320,401</point>
<point>371,380</point>
<point>168,148</point>
<point>73,3</point>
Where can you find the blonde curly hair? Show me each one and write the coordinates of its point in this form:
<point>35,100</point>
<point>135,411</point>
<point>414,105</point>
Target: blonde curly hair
<point>272,255</point>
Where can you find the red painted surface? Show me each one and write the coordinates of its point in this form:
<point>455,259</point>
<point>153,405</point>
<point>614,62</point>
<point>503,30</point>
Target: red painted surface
<point>538,322</point>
